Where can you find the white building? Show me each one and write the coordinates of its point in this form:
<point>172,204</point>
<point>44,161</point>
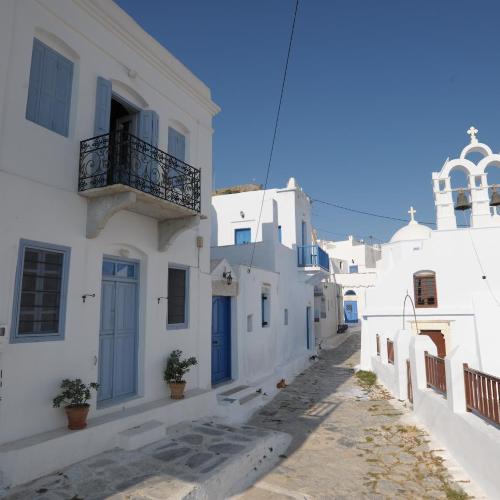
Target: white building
<point>353,270</point>
<point>270,302</point>
<point>452,276</point>
<point>96,234</point>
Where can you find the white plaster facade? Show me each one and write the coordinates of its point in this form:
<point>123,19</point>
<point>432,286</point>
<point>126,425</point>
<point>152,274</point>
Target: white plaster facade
<point>39,201</point>
<point>465,263</point>
<point>265,354</point>
<point>352,269</point>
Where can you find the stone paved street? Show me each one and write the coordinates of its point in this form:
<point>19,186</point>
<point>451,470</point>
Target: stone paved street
<point>347,442</point>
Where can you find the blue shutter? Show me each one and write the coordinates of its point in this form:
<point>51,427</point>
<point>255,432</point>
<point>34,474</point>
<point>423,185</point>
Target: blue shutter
<point>49,94</point>
<point>145,126</point>
<point>176,144</point>
<point>242,236</point>
<point>154,128</point>
<point>35,84</point>
<point>102,106</point>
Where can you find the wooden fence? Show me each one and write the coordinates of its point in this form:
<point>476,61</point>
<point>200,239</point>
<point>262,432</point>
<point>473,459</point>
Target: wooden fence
<point>390,351</point>
<point>435,373</point>
<point>482,394</point>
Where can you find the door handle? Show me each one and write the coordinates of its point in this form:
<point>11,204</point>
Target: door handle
<point>215,342</point>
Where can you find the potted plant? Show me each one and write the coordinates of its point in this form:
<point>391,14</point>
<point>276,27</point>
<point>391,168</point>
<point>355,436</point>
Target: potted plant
<point>74,395</point>
<point>174,373</point>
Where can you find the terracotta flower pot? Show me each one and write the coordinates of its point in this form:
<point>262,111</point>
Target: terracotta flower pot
<point>177,389</point>
<point>77,417</point>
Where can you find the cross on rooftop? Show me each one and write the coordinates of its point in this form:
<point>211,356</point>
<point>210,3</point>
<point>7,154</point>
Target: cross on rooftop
<point>472,132</point>
<point>412,213</point>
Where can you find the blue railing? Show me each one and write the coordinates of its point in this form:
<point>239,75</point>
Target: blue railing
<point>313,256</point>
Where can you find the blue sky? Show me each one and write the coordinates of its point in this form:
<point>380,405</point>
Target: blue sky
<point>379,94</point>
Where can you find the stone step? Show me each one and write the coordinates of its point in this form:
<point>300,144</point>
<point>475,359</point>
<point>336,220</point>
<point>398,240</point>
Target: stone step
<point>250,397</point>
<point>235,395</point>
<point>141,435</point>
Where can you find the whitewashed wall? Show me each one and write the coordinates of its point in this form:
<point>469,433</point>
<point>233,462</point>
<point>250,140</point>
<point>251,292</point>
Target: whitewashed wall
<point>39,201</point>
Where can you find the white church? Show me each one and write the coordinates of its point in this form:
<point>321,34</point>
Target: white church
<point>429,327</point>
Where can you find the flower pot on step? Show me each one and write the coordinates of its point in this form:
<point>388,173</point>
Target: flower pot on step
<point>77,417</point>
<point>177,389</point>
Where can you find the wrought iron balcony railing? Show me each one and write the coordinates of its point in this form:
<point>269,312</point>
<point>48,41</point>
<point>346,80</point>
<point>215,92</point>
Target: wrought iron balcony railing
<point>313,256</point>
<point>122,158</point>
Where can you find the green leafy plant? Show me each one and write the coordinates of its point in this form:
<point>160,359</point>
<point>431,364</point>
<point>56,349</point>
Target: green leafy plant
<point>74,393</point>
<point>176,367</point>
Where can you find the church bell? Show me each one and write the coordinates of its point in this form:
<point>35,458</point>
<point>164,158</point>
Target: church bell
<point>495,198</point>
<point>463,202</point>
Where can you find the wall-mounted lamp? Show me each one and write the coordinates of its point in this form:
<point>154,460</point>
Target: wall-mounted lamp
<point>84,297</point>
<point>160,298</point>
<point>228,277</point>
<point>242,214</point>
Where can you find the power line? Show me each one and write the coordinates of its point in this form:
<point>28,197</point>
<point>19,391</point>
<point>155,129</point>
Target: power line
<point>275,128</point>
<point>362,212</point>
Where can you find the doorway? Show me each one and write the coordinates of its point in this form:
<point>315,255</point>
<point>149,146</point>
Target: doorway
<point>221,339</point>
<point>118,333</point>
<point>438,338</point>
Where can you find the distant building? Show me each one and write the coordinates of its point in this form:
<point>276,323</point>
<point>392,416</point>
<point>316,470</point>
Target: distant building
<point>353,269</point>
<point>268,316</point>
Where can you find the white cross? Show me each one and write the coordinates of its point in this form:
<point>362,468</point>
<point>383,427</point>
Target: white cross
<point>472,132</point>
<point>412,213</point>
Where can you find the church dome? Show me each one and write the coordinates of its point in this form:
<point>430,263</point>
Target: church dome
<point>412,231</point>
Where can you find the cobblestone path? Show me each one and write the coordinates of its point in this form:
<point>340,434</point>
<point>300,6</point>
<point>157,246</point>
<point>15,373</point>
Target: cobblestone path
<point>347,442</point>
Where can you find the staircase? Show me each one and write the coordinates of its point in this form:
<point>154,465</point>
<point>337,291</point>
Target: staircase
<point>238,403</point>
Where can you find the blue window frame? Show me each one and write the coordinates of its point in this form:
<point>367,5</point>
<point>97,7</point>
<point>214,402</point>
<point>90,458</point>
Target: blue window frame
<point>49,92</point>
<point>39,308</point>
<point>353,269</point>
<point>280,234</point>
<point>178,297</point>
<point>242,236</point>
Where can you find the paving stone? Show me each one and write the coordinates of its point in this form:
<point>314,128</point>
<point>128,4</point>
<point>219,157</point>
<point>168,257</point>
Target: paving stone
<point>213,465</point>
<point>198,459</point>
<point>173,454</point>
<point>192,438</point>
<point>226,448</point>
<point>210,432</point>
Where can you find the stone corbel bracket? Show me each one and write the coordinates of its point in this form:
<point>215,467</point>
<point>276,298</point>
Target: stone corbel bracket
<point>169,229</point>
<point>100,210</point>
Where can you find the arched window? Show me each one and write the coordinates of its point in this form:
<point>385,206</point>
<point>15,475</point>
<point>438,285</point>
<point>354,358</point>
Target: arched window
<point>424,285</point>
<point>350,292</point>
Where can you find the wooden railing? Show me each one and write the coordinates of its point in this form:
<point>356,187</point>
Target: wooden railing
<point>377,337</point>
<point>482,394</point>
<point>390,351</point>
<point>408,381</point>
<point>435,373</point>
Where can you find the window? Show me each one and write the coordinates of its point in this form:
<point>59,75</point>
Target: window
<point>40,292</point>
<point>265,308</point>
<point>353,269</point>
<point>176,144</point>
<point>178,297</point>
<point>279,235</point>
<point>49,92</point>
<point>285,317</point>
<point>424,285</point>
<point>242,236</point>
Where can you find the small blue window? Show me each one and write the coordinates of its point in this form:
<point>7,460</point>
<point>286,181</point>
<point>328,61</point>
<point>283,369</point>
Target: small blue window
<point>49,92</point>
<point>353,269</point>
<point>242,236</point>
<point>41,287</point>
<point>279,235</point>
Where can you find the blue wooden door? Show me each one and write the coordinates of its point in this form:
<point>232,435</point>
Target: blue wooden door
<point>308,327</point>
<point>351,311</point>
<point>221,339</point>
<point>118,332</point>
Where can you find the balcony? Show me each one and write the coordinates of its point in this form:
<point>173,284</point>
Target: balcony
<point>312,256</point>
<point>119,171</point>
